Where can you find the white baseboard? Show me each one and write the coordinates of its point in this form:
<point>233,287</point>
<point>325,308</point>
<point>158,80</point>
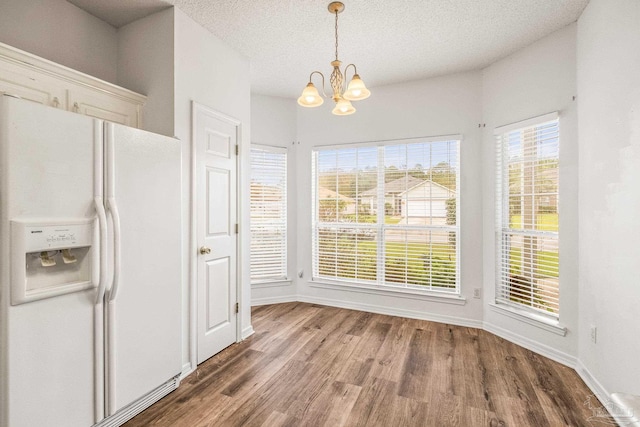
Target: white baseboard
<point>187,369</point>
<point>274,300</point>
<point>450,320</point>
<point>591,382</point>
<point>535,346</point>
<point>623,415</point>
<point>247,332</point>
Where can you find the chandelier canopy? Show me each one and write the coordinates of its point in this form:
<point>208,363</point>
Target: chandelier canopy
<point>355,91</point>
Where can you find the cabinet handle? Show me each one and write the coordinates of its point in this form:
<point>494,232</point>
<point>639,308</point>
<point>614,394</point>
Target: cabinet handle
<point>76,107</point>
<point>56,102</point>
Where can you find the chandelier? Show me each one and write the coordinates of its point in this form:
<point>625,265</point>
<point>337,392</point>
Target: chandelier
<point>355,91</point>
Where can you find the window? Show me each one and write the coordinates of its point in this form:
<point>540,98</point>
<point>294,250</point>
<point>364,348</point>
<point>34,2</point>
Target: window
<point>268,203</point>
<point>387,215</point>
<point>527,214</point>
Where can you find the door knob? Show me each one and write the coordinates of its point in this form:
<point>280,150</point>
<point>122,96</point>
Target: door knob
<point>205,250</point>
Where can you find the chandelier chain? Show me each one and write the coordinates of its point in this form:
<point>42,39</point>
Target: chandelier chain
<point>336,35</point>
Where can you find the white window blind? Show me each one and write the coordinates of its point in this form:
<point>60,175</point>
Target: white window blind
<point>387,214</point>
<point>527,215</point>
<point>268,204</point>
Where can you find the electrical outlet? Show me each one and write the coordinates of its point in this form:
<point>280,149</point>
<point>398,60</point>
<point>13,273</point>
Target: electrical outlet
<point>594,334</point>
<point>477,292</point>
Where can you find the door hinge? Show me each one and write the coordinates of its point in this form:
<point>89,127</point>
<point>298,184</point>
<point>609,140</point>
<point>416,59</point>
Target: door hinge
<point>237,150</point>
<point>237,228</point>
<point>237,308</point>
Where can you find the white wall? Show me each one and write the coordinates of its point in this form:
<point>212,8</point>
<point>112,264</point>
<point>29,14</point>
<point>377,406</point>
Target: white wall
<point>440,106</point>
<point>273,122</point>
<point>536,80</point>
<point>609,129</point>
<point>60,32</point>
<point>211,73</point>
<point>146,65</point>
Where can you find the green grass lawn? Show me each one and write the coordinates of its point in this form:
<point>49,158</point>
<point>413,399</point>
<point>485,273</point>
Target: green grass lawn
<point>412,263</point>
<point>547,263</point>
<point>370,219</point>
<point>544,222</point>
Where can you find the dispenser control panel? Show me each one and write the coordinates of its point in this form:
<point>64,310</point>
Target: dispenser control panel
<point>51,258</point>
<point>40,237</point>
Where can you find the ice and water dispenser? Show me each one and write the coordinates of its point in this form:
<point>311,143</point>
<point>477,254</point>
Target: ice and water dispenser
<point>50,258</point>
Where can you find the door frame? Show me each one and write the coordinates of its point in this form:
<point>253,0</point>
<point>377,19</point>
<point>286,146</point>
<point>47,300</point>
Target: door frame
<point>193,240</point>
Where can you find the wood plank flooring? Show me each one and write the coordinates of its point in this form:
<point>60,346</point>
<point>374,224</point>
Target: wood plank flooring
<point>311,365</point>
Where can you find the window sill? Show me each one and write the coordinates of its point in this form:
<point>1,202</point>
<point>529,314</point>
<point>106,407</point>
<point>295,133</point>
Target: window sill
<point>537,320</point>
<point>271,283</point>
<point>417,294</point>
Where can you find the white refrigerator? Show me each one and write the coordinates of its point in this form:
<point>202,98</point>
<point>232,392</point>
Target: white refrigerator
<point>90,268</point>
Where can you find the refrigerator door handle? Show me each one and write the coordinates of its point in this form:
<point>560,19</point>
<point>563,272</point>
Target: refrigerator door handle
<point>102,222</point>
<point>113,208</point>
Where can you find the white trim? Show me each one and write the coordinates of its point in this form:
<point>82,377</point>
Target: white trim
<point>387,142</point>
<point>626,409</point>
<point>535,346</point>
<point>187,369</point>
<point>412,314</point>
<point>193,243</point>
<point>594,385</point>
<point>538,320</point>
<point>607,400</point>
<point>30,61</point>
<point>415,294</point>
<point>247,332</point>
<point>137,406</point>
<point>271,284</point>
<point>239,246</point>
<point>526,123</point>
<point>274,300</point>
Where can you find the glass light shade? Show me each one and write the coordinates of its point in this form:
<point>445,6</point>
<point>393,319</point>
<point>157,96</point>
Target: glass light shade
<point>343,108</point>
<point>310,97</point>
<point>356,91</point>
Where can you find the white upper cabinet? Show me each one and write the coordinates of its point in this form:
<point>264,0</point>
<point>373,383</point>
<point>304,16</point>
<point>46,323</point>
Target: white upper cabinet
<point>36,79</point>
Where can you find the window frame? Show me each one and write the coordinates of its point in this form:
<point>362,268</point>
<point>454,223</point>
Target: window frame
<point>503,228</point>
<point>379,285</point>
<point>283,266</point>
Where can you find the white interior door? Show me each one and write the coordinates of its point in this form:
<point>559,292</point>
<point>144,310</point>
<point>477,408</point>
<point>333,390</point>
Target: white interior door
<point>215,142</point>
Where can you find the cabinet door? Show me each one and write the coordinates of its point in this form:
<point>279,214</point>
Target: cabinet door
<point>16,80</point>
<point>96,104</point>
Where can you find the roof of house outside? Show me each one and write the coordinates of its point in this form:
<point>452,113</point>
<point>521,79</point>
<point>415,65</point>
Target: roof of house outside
<point>402,185</point>
<point>325,193</point>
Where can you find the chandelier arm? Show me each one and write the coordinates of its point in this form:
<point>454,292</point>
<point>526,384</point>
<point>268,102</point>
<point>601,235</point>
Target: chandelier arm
<point>321,75</point>
<point>355,71</point>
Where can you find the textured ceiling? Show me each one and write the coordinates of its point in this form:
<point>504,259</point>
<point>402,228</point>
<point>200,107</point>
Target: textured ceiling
<point>390,41</point>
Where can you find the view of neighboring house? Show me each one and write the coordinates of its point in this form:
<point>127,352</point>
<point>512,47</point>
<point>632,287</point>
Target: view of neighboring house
<point>344,204</point>
<point>412,198</point>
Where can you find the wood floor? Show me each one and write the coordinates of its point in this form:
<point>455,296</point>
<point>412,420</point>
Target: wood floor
<point>311,365</point>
